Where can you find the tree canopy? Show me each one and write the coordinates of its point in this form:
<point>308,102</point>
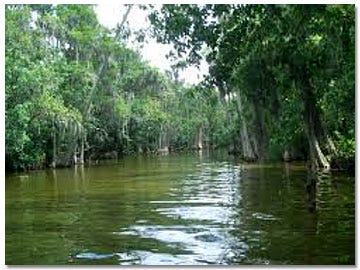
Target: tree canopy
<point>281,83</point>
<point>291,67</point>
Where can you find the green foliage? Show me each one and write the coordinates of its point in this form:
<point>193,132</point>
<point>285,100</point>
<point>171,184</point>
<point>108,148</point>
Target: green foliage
<point>346,143</point>
<point>73,89</point>
<point>289,62</point>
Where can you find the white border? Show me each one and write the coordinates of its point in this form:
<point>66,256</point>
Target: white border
<point>2,122</point>
<point>2,127</point>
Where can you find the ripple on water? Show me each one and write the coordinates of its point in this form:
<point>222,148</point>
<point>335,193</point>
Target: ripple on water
<point>93,256</point>
<point>207,198</point>
<point>263,216</point>
<point>150,258</point>
<point>212,214</point>
<point>207,245</point>
<point>215,214</point>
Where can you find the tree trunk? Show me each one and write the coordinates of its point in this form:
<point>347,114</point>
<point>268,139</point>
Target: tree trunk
<point>53,164</point>
<point>198,139</point>
<point>286,155</point>
<point>81,159</point>
<point>313,126</point>
<point>101,70</point>
<point>160,139</point>
<point>259,130</point>
<point>316,155</point>
<point>75,155</point>
<point>331,145</point>
<point>163,141</point>
<point>98,76</point>
<point>247,148</point>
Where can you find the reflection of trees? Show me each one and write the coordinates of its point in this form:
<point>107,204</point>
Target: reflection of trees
<point>272,219</point>
<point>311,190</point>
<point>36,221</point>
<point>276,224</point>
<point>255,198</point>
<point>51,205</point>
<point>336,214</point>
<point>120,197</point>
<point>263,213</point>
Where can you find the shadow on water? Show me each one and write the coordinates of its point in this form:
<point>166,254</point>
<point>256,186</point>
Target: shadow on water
<point>179,209</point>
<point>311,190</point>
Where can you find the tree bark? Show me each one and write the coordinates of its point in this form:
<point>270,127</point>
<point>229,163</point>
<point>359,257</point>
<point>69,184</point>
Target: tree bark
<point>259,130</point>
<point>247,148</point>
<point>81,159</point>
<point>198,139</point>
<point>75,156</point>
<point>163,140</point>
<point>313,126</point>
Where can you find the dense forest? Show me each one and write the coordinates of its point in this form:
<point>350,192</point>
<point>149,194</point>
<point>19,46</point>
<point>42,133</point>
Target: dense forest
<point>281,84</point>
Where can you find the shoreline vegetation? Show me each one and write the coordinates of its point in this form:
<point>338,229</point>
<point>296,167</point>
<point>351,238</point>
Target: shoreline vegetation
<point>281,85</point>
<point>339,165</point>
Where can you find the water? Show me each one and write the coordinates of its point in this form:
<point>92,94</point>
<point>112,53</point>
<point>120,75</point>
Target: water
<point>178,209</point>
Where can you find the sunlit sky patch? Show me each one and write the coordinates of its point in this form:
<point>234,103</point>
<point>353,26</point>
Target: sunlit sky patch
<point>155,53</point>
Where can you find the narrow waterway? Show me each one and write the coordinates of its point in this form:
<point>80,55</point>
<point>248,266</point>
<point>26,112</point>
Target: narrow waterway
<point>178,209</point>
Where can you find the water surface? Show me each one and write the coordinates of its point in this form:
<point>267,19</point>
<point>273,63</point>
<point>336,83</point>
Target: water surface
<point>178,209</point>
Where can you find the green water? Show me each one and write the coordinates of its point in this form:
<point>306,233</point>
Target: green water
<point>178,209</point>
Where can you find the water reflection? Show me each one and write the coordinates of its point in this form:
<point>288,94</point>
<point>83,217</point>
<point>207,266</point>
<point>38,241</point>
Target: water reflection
<point>311,190</point>
<point>187,210</point>
<point>197,243</point>
<point>206,202</point>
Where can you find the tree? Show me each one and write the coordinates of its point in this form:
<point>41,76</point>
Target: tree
<point>267,55</point>
<point>75,92</point>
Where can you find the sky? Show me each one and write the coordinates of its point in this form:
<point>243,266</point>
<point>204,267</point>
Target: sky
<point>110,14</point>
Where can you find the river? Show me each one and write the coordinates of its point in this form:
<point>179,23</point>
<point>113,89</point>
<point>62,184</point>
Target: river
<point>183,209</point>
